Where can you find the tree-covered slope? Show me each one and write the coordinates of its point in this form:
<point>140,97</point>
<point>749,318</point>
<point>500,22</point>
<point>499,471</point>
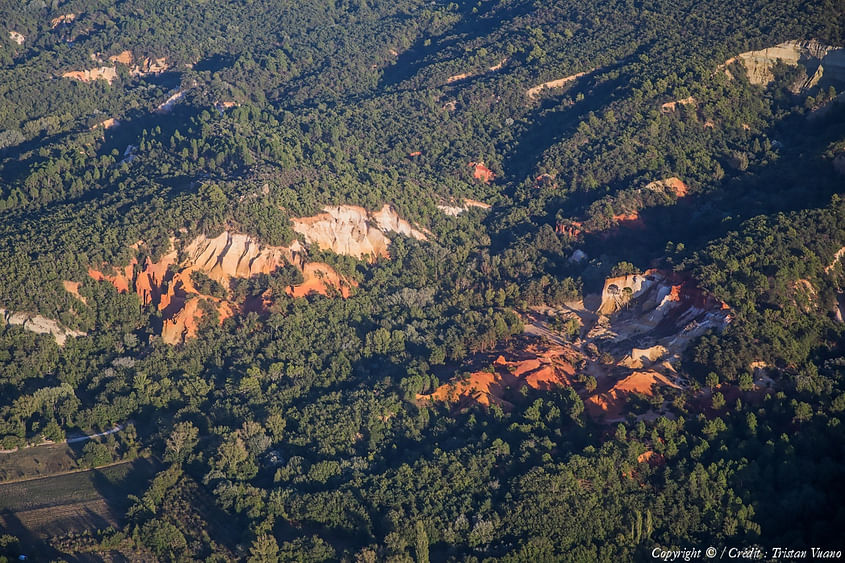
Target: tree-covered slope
<point>291,402</point>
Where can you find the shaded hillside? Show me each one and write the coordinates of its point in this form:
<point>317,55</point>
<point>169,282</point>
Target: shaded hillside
<point>406,280</point>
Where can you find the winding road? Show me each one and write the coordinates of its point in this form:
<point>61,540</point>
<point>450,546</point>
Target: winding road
<point>77,439</point>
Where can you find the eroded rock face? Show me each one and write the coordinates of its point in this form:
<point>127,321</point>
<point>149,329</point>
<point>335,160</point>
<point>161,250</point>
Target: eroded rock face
<point>455,210</point>
<point>354,231</point>
<point>628,347</point>
<point>669,107</point>
<point>167,284</point>
<point>72,287</point>
<point>144,67</point>
<point>535,91</point>
<point>620,290</point>
<point>63,19</point>
<point>124,58</point>
<point>107,124</point>
<point>167,105</point>
<point>120,279</point>
<point>464,75</point>
<point>481,172</point>
<point>185,322</point>
<point>836,258</point>
<point>17,37</point>
<point>818,60</point>
<point>40,325</point>
<point>107,73</point>
<point>536,367</point>
<point>610,404</point>
<point>233,255</point>
<point>319,278</point>
<point>672,185</point>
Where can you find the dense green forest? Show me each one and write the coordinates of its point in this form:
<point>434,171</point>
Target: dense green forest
<point>297,423</point>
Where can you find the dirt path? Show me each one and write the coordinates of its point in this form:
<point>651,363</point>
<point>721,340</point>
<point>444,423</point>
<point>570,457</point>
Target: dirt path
<point>78,439</point>
<point>73,440</point>
<point>537,326</point>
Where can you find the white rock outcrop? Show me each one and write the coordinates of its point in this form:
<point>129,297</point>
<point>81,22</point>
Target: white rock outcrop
<point>818,60</point>
<point>354,231</point>
<point>234,255</point>
<point>40,325</point>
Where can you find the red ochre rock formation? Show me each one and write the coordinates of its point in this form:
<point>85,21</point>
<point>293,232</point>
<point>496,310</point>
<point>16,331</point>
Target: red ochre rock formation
<point>629,220</point>
<point>481,172</point>
<point>645,322</point>
<point>538,368</point>
<point>183,325</point>
<point>609,404</point>
<point>652,458</point>
<point>167,283</point>
<point>674,185</point>
<point>120,279</point>
<point>318,278</point>
<point>671,186</point>
<point>107,73</point>
<point>571,229</point>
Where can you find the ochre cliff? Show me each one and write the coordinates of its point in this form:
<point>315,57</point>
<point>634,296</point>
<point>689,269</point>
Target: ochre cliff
<point>817,59</point>
<point>672,185</point>
<point>481,172</point>
<point>107,73</point>
<point>63,19</point>
<point>455,210</point>
<point>144,67</point>
<point>232,255</point>
<point>619,290</point>
<point>535,366</point>
<point>167,283</point>
<point>628,347</point>
<point>39,325</point>
<point>354,231</point>
<point>535,91</point>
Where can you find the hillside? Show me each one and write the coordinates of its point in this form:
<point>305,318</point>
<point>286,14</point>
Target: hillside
<point>412,281</point>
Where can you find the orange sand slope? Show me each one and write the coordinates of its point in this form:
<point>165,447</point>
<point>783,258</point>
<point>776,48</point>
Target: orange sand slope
<point>627,346</point>
<point>167,283</point>
<point>481,172</point>
<point>538,368</point>
<point>610,404</point>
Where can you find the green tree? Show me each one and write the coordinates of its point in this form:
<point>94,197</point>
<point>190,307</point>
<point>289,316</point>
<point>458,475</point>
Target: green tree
<point>181,442</point>
<point>264,550</point>
<point>421,542</point>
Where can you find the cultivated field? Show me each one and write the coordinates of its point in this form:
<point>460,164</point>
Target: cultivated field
<point>37,462</point>
<point>39,508</point>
